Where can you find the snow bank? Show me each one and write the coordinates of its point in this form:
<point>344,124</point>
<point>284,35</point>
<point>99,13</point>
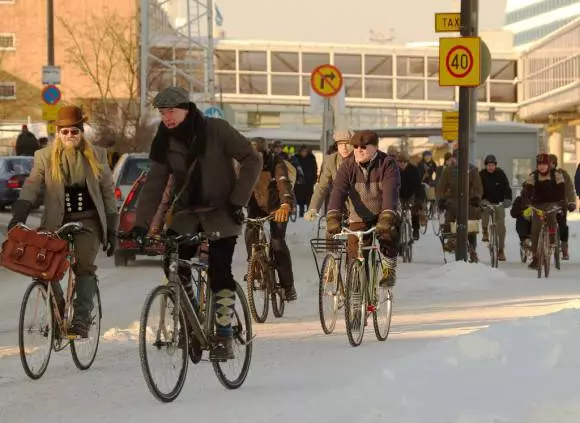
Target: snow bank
<point>520,371</point>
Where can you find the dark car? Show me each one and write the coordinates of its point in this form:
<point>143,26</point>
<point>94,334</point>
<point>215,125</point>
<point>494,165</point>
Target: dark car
<point>129,167</point>
<point>127,249</point>
<point>13,171</point>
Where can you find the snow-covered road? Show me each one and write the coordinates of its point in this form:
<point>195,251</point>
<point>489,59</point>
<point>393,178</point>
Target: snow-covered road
<point>423,373</point>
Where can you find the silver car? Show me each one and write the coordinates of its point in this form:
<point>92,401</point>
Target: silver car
<point>129,167</point>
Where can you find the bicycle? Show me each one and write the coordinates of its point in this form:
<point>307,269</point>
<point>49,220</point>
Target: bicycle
<point>330,284</point>
<point>430,211</point>
<point>493,243</point>
<point>193,325</point>
<point>262,275</point>
<point>545,247</point>
<point>83,350</point>
<point>363,297</point>
<point>406,238</point>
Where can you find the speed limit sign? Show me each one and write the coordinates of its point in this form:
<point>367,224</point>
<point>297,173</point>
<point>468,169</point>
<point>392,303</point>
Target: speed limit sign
<point>460,62</point>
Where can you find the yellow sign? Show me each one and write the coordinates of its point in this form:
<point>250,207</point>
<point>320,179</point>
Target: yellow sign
<point>50,128</point>
<point>49,111</point>
<point>447,22</point>
<point>326,80</point>
<point>450,126</point>
<point>460,62</point>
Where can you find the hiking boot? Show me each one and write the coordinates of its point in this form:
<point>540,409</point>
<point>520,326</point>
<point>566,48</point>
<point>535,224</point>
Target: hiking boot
<point>222,348</point>
<point>416,234</point>
<point>534,264</point>
<point>473,258</point>
<point>78,330</point>
<point>290,294</point>
<point>485,236</point>
<point>565,255</point>
<point>501,255</point>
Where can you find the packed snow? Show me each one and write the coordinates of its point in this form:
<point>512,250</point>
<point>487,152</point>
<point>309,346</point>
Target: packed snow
<point>469,344</point>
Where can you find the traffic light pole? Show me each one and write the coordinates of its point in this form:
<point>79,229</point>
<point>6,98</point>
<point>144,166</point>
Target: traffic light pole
<point>467,122</point>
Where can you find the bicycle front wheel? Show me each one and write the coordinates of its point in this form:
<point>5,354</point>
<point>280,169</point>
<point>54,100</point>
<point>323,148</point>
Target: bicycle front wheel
<point>382,305</point>
<point>160,337</point>
<point>277,295</point>
<point>84,351</point>
<point>257,280</point>
<point>328,293</point>
<point>557,251</point>
<point>493,246</point>
<point>36,322</point>
<point>356,303</point>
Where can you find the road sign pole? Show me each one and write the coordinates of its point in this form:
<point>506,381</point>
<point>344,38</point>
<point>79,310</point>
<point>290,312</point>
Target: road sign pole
<point>467,118</point>
<point>49,48</point>
<point>327,126</point>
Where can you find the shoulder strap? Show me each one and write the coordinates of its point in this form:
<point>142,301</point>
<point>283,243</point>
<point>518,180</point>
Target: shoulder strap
<point>185,184</point>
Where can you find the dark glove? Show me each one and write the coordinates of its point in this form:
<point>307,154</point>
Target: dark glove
<point>237,214</point>
<point>571,207</point>
<point>475,202</point>
<point>388,227</point>
<point>333,222</point>
<point>109,247</point>
<point>441,204</point>
<point>20,211</point>
<point>139,232</point>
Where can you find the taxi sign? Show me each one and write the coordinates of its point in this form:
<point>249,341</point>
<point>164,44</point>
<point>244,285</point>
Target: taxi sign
<point>447,22</point>
<point>460,62</point>
<point>450,125</point>
<point>326,80</point>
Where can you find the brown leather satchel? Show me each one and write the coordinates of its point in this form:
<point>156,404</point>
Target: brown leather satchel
<point>36,255</point>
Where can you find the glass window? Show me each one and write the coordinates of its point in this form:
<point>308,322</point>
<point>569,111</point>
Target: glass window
<point>505,70</point>
<point>253,84</point>
<point>353,87</point>
<point>306,86</point>
<point>521,168</point>
<point>433,67</point>
<point>227,83</point>
<point>410,66</point>
<point>379,65</point>
<point>503,92</point>
<point>284,62</point>
<point>410,89</point>
<point>312,60</point>
<point>437,93</point>
<point>285,85</point>
<point>133,168</point>
<point>379,88</point>
<point>226,59</point>
<point>253,61</point>
<point>482,93</point>
<point>263,119</point>
<point>7,90</point>
<point>348,63</point>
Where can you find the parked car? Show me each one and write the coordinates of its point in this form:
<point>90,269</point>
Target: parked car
<point>127,249</point>
<point>129,167</point>
<point>13,171</point>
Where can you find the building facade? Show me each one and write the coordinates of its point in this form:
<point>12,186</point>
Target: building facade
<point>532,20</point>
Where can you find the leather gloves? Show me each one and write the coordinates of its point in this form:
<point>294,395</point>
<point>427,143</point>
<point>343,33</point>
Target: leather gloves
<point>237,214</point>
<point>109,246</point>
<point>282,214</point>
<point>388,227</point>
<point>310,215</point>
<point>333,222</point>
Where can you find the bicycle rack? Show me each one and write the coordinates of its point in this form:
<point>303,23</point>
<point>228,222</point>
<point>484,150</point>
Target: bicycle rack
<point>327,245</point>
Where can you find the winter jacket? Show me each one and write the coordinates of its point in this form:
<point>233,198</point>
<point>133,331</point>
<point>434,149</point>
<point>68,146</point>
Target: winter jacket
<point>411,185</point>
<point>545,189</point>
<point>496,187</point>
<point>427,172</point>
<point>371,188</point>
<point>570,195</point>
<point>330,165</point>
<point>577,180</point>
<point>518,207</point>
<point>447,188</point>
<point>273,187</point>
<point>26,144</point>
<point>309,167</point>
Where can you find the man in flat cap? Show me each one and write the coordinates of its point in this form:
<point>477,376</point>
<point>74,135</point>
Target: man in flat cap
<point>370,180</point>
<point>208,196</point>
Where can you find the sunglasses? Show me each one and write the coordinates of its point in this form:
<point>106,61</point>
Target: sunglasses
<point>70,131</point>
<point>359,147</point>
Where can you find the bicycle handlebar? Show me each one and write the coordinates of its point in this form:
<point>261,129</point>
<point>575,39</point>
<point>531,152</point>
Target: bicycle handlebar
<point>259,220</point>
<point>346,231</point>
<point>195,238</point>
<point>550,210</point>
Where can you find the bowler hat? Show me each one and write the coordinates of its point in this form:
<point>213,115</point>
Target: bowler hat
<point>69,116</point>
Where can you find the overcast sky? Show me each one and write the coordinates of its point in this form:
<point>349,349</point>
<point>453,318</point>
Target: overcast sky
<point>344,21</point>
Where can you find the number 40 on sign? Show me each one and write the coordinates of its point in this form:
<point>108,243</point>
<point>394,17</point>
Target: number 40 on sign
<point>460,62</point>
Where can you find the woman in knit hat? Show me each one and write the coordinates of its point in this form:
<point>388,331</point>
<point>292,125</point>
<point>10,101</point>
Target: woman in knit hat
<point>78,187</point>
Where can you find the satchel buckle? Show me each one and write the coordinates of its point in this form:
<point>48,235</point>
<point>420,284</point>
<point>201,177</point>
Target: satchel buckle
<point>40,257</point>
<point>19,252</point>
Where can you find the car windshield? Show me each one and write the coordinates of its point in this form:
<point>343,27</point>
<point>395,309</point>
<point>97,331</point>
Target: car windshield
<point>15,166</point>
<point>133,169</point>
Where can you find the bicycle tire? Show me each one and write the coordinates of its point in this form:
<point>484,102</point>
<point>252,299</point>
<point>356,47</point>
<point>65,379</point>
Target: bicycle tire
<point>383,334</point>
<point>167,292</point>
<point>277,296</point>
<point>329,263</point>
<point>493,246</point>
<point>557,252</point>
<point>293,215</point>
<point>547,256</point>
<point>95,321</point>
<point>257,260</point>
<point>244,337</point>
<point>352,284</point>
<point>48,332</point>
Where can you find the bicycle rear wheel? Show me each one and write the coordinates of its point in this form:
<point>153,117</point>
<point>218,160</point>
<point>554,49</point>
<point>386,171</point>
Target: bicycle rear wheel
<point>84,351</point>
<point>546,254</point>
<point>355,304</point>
<point>38,323</point>
<point>277,295</point>
<point>557,251</point>
<point>242,326</point>
<point>328,293</point>
<point>257,280</point>
<point>163,339</point>
<point>383,305</point>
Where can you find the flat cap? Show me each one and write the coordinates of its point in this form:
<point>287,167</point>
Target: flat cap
<point>171,97</point>
<point>365,138</point>
<point>342,136</point>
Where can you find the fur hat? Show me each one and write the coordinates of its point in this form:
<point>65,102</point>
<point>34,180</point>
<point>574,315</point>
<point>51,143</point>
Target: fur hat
<point>69,116</point>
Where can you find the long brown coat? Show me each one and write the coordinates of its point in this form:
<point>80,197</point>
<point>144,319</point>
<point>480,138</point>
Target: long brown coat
<point>447,188</point>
